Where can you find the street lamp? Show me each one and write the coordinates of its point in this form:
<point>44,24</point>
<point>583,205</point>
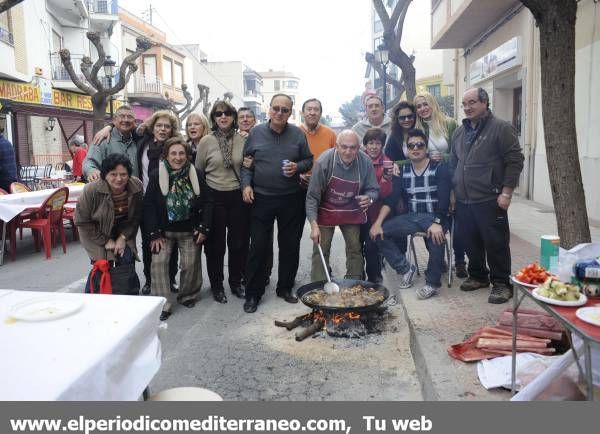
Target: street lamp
<point>382,56</point>
<point>110,67</point>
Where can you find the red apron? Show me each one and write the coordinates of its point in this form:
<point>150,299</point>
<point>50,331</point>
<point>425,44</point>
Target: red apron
<point>338,203</point>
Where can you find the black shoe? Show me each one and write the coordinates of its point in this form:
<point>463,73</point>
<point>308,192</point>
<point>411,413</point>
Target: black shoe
<point>500,293</point>
<point>288,297</point>
<point>220,296</point>
<point>164,315</point>
<point>238,291</point>
<point>251,305</point>
<point>174,287</point>
<point>472,284</point>
<point>146,289</point>
<point>189,303</point>
<point>461,271</point>
<point>378,280</point>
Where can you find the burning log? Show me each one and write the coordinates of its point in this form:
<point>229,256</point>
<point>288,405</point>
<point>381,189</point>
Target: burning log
<point>310,330</point>
<point>290,325</point>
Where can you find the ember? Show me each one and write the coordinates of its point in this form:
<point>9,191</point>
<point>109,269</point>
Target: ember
<point>338,324</point>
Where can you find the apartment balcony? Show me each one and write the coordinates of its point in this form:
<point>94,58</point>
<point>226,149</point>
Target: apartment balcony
<point>103,13</point>
<point>147,89</point>
<point>253,96</point>
<point>6,36</point>
<point>455,23</point>
<point>60,77</point>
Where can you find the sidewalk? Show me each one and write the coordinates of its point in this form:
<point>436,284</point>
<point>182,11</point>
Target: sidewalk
<point>453,315</point>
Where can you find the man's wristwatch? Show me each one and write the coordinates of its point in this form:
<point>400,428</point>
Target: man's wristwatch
<point>437,221</point>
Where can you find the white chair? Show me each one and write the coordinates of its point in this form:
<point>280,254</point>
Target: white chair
<point>412,252</point>
<point>186,394</point>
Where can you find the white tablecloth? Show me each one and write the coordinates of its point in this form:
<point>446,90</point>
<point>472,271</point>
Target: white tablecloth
<point>13,204</point>
<point>108,350</point>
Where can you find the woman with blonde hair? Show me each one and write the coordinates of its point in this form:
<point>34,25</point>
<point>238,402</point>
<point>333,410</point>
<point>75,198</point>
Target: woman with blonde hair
<point>437,126</point>
<point>196,127</point>
<point>439,129</point>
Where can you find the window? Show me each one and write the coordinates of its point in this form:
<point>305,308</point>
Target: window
<point>291,84</point>
<point>57,41</point>
<point>276,85</point>
<point>167,71</point>
<point>178,71</point>
<point>435,90</point>
<point>150,68</point>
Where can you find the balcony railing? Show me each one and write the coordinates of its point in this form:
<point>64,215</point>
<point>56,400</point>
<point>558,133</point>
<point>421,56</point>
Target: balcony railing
<point>59,72</point>
<point>106,7</point>
<point>145,84</point>
<point>6,36</point>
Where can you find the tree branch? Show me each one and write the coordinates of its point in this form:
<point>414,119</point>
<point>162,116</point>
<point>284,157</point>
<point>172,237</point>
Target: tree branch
<point>65,57</point>
<point>398,84</point>
<point>85,66</point>
<point>94,38</point>
<point>188,102</point>
<point>143,44</point>
<point>382,13</point>
<point>401,16</point>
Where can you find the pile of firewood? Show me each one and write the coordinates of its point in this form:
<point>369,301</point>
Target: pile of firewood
<point>535,331</point>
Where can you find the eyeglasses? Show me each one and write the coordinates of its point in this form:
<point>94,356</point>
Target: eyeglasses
<point>283,110</point>
<point>219,113</point>
<point>420,145</point>
<point>406,118</point>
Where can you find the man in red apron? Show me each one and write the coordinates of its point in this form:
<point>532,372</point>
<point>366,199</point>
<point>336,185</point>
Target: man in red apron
<point>342,187</point>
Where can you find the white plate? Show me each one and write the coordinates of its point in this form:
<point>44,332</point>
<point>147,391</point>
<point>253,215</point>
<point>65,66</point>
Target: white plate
<point>526,285</point>
<point>582,300</point>
<point>45,309</point>
<point>589,314</point>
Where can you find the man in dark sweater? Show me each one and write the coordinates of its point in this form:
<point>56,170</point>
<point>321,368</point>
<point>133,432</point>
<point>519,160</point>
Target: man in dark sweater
<point>271,185</point>
<point>486,161</point>
<point>426,186</point>
<point>8,165</point>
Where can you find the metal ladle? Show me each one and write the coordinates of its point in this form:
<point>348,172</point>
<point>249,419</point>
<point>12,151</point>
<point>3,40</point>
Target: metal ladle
<point>330,287</point>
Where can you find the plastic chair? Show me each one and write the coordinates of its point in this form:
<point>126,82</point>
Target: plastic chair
<point>186,394</point>
<point>412,252</point>
<point>69,214</point>
<point>49,220</point>
<point>28,175</point>
<point>18,187</point>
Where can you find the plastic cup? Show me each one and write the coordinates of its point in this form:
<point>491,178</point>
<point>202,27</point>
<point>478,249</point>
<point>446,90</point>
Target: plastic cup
<point>549,246</point>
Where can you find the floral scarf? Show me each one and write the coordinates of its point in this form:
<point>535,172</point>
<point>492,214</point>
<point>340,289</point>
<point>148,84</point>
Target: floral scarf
<point>180,193</point>
<point>225,140</point>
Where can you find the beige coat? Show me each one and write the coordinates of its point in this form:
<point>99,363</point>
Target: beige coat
<point>95,215</point>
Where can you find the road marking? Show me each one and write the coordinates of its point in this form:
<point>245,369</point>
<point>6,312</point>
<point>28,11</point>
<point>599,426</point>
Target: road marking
<point>76,286</point>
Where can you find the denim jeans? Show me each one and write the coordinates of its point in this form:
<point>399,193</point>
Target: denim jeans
<point>401,226</point>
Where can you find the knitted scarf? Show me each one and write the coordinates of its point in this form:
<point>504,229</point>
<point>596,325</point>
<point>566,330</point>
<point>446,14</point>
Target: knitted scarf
<point>225,140</point>
<point>180,193</point>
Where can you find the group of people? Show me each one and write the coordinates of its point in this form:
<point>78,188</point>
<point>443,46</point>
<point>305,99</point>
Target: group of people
<point>222,187</point>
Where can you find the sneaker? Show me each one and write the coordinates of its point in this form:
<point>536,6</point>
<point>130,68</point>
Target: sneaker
<point>408,277</point>
<point>426,292</point>
<point>461,271</point>
<point>472,284</point>
<point>146,289</point>
<point>500,293</point>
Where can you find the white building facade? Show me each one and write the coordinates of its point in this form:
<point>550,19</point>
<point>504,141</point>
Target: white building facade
<point>496,47</point>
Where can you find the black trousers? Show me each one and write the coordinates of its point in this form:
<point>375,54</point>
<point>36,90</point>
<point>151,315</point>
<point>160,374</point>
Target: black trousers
<point>289,212</point>
<point>229,230</point>
<point>147,256</point>
<point>486,235</point>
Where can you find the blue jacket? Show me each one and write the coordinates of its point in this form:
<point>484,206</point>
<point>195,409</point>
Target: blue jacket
<point>8,164</point>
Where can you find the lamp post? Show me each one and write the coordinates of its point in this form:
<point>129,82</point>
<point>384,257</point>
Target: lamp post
<point>382,56</point>
<point>109,73</point>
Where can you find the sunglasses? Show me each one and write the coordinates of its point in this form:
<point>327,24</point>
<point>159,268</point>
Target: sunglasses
<point>420,145</point>
<point>219,113</point>
<point>283,110</point>
<point>406,118</point>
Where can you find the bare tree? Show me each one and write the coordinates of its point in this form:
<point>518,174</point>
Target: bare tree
<point>184,111</point>
<point>556,22</point>
<point>93,85</point>
<point>392,36</point>
<point>7,4</point>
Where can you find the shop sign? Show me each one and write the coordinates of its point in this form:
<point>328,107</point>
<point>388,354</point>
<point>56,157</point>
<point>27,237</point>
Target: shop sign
<point>43,94</point>
<point>499,60</point>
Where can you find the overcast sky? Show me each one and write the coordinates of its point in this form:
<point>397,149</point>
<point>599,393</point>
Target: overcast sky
<point>322,42</point>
